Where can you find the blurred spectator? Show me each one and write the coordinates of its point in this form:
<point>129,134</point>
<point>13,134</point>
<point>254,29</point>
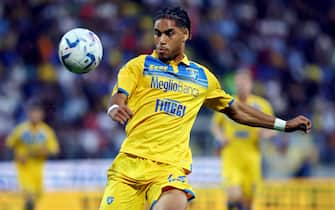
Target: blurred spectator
<point>290,155</point>
<point>287,44</point>
<point>32,142</point>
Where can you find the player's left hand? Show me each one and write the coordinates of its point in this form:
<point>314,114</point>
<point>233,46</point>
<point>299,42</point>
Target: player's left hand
<point>22,159</point>
<point>121,114</point>
<point>299,123</point>
<point>43,151</point>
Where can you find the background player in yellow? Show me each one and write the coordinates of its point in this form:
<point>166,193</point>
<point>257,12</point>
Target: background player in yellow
<point>240,147</point>
<point>32,141</point>
<point>158,97</point>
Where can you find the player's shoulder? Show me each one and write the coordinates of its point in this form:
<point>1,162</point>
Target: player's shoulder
<point>202,69</point>
<point>21,126</point>
<point>138,59</point>
<point>44,125</point>
<point>197,65</point>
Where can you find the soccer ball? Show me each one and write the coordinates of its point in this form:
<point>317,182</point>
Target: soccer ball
<point>80,50</point>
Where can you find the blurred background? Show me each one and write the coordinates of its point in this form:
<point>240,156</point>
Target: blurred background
<point>287,44</point>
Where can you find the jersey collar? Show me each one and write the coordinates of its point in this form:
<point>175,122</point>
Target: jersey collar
<point>184,60</point>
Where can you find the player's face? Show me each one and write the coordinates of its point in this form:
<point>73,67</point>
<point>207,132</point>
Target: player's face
<point>243,84</point>
<point>169,39</point>
<point>36,115</point>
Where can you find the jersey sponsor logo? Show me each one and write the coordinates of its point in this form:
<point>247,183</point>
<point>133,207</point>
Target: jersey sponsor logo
<point>30,138</point>
<point>156,68</point>
<point>242,134</point>
<point>256,106</point>
<point>173,85</point>
<point>171,107</point>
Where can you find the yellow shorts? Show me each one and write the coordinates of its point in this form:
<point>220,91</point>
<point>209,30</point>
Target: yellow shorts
<point>246,176</point>
<point>134,182</point>
<point>30,177</point>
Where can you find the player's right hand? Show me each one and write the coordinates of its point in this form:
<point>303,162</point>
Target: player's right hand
<point>121,114</point>
<point>299,123</point>
<point>21,159</point>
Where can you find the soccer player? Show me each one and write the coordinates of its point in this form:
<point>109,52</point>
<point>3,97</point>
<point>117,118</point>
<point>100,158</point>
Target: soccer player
<point>240,149</point>
<point>32,141</point>
<point>157,97</point>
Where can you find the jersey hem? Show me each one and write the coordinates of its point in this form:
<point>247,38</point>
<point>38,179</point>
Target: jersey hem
<point>187,169</point>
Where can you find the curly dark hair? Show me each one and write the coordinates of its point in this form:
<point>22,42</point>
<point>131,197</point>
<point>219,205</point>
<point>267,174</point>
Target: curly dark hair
<point>175,13</point>
<point>34,103</point>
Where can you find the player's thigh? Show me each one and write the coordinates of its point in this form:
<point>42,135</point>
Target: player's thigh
<point>233,179</point>
<point>121,196</point>
<point>25,174</point>
<point>170,189</point>
<point>251,180</point>
<point>37,180</point>
<point>172,199</point>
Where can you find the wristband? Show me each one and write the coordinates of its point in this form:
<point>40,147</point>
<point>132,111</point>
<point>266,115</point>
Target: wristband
<point>114,106</point>
<point>279,124</point>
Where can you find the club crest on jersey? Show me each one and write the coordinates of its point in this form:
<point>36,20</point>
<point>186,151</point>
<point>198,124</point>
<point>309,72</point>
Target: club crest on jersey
<point>194,73</point>
<point>110,200</point>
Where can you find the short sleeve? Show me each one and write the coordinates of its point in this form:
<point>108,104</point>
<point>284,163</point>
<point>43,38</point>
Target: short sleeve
<point>13,137</point>
<point>218,118</point>
<point>129,76</point>
<point>216,98</point>
<point>52,143</point>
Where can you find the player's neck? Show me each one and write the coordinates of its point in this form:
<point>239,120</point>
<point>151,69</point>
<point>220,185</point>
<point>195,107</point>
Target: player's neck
<point>180,55</point>
<point>179,58</point>
<point>34,123</point>
<point>174,60</point>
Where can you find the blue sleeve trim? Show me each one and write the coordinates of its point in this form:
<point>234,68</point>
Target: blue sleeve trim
<point>231,102</point>
<point>123,91</point>
<point>153,204</point>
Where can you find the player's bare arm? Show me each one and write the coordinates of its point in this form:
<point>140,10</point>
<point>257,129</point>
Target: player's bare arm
<point>119,111</point>
<point>218,134</point>
<point>247,115</point>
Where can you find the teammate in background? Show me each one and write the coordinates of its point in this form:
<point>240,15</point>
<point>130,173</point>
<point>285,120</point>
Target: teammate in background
<point>158,97</point>
<point>32,141</point>
<point>240,147</point>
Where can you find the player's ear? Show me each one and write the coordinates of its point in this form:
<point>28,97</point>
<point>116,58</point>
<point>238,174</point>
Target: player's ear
<point>187,34</point>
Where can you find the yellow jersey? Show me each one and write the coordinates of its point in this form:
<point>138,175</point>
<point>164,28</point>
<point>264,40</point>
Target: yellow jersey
<point>243,141</point>
<point>28,138</point>
<point>165,100</point>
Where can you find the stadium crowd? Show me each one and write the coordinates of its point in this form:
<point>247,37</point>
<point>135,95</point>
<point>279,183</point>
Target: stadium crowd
<point>286,44</point>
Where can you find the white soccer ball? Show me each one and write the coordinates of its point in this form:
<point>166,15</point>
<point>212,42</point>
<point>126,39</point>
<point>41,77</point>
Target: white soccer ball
<point>80,50</point>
